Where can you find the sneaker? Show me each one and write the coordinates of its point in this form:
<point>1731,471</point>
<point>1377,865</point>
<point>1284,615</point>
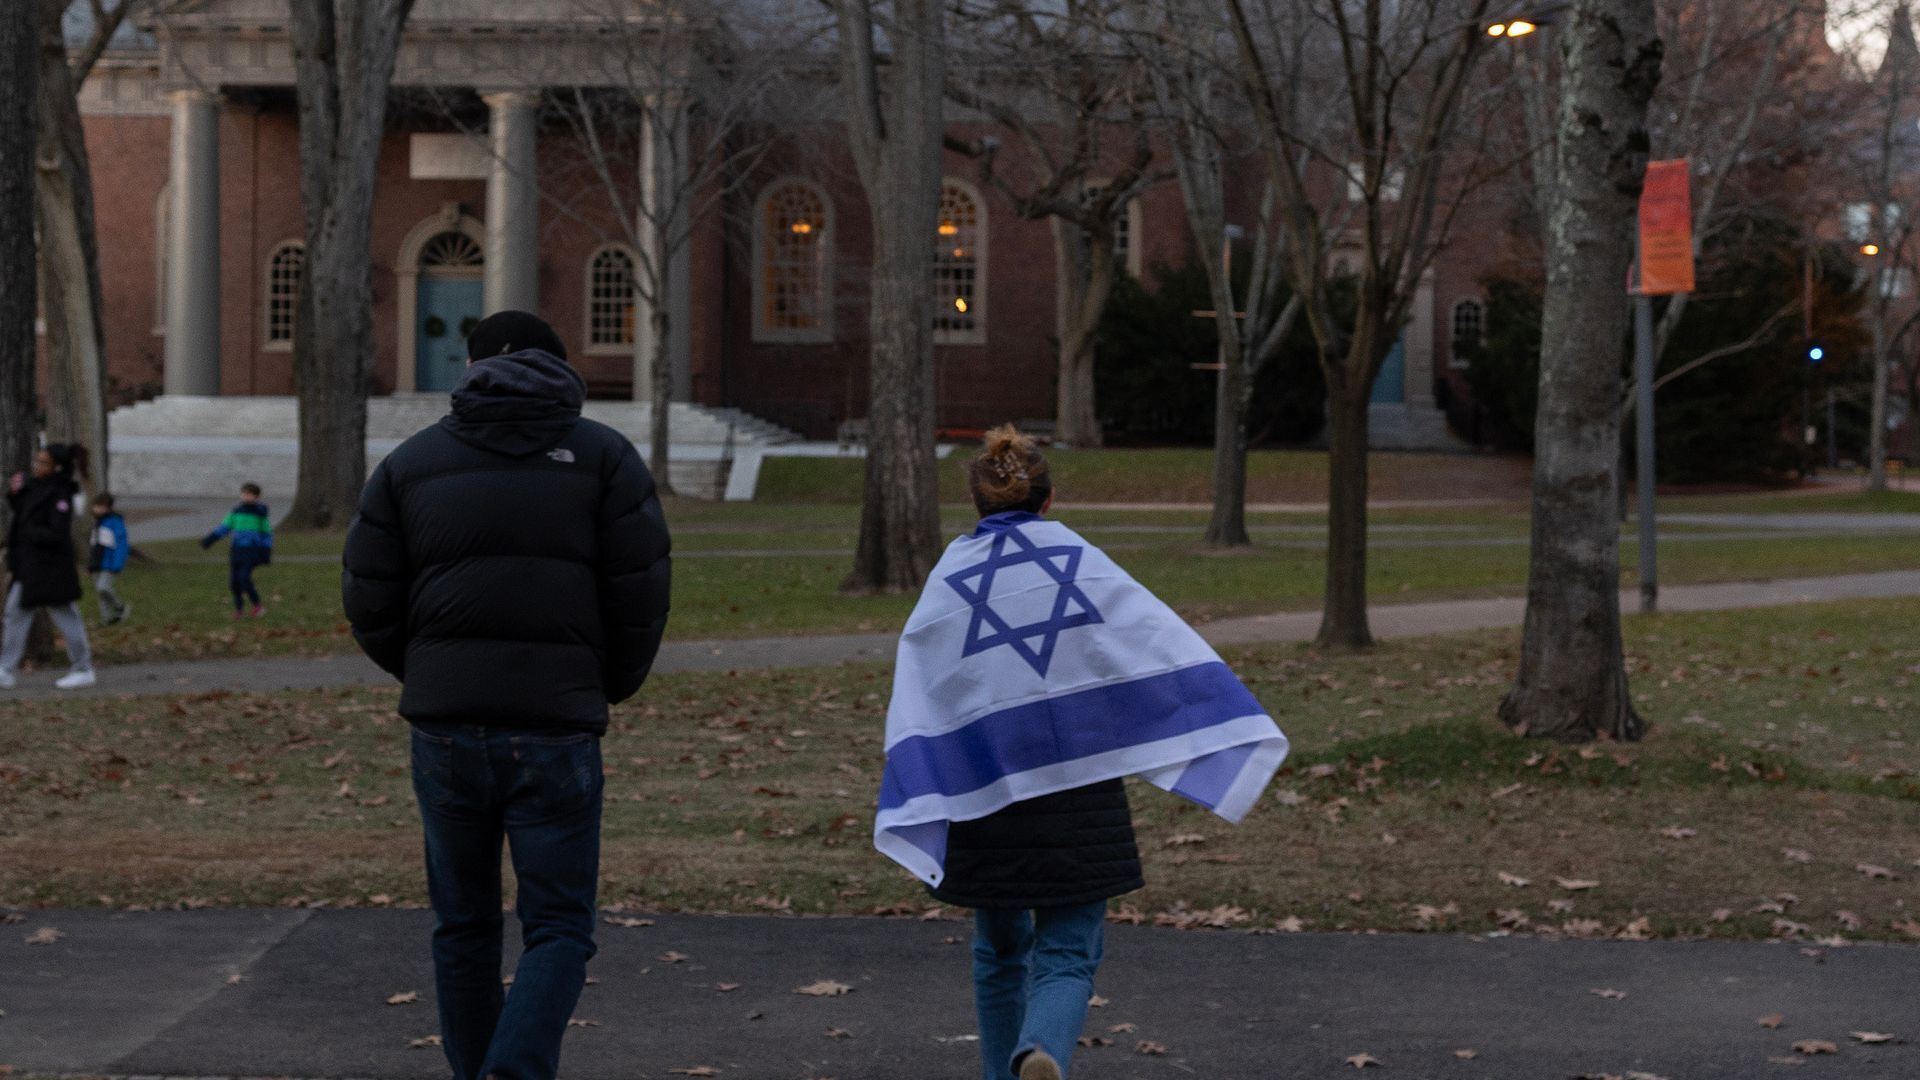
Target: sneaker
<point>258,612</point>
<point>1039,1065</point>
<point>75,680</point>
<point>7,681</point>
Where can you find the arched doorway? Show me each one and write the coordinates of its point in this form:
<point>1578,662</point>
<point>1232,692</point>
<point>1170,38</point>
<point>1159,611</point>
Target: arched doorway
<point>447,305</point>
<point>439,270</point>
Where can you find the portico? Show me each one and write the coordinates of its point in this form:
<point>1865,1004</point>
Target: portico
<point>226,56</point>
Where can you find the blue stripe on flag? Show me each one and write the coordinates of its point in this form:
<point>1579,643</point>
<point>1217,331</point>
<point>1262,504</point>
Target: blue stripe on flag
<point>1065,728</point>
<point>1208,779</point>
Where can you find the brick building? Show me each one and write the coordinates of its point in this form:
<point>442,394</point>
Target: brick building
<point>192,127</point>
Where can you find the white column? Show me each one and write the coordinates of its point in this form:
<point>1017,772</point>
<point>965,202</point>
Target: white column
<point>663,179</point>
<point>1418,334</point>
<point>513,205</point>
<point>193,246</point>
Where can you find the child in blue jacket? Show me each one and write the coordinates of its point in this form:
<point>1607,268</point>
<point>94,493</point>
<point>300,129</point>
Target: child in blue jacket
<point>107,557</point>
<point>252,547</point>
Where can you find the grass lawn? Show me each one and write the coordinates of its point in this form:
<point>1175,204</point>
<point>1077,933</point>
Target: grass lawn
<point>1179,475</point>
<point>775,569</point>
<point>1773,796</point>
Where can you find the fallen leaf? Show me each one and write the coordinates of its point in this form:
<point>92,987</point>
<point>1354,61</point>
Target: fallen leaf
<point>1811,1047</point>
<point>1185,840</point>
<point>579,1023</point>
<point>627,921</point>
<point>1609,994</point>
<point>46,935</point>
<point>1722,914</point>
<point>1872,871</point>
<point>1848,920</point>
<point>1871,1037</point>
<point>1363,1060</point>
<point>1466,1055</point>
<point>839,1033</point>
<point>424,1042</point>
<point>1123,1028</point>
<point>726,988</point>
<point>1575,884</point>
<point>673,956</point>
<point>1514,880</point>
<point>1091,1042</point>
<point>1771,1021</point>
<point>1675,832</point>
<point>405,997</point>
<point>1289,925</point>
<point>1149,1048</point>
<point>824,988</point>
<point>1098,1002</point>
<point>1794,854</point>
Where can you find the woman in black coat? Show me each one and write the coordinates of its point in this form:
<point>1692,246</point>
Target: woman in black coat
<point>42,563</point>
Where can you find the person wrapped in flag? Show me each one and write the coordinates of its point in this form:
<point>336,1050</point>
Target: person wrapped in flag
<point>1033,676</point>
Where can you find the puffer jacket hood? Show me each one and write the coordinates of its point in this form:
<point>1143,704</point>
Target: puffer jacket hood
<point>519,404</point>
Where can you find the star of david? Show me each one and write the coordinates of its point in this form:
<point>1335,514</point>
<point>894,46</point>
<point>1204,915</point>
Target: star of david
<point>1034,641</point>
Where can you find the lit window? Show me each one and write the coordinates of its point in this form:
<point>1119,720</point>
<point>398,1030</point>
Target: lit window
<point>793,241</point>
<point>959,268</point>
<point>284,269</point>
<point>610,300</point>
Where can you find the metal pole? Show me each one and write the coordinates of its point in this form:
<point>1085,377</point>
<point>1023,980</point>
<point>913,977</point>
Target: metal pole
<point>1643,437</point>
<point>1833,445</point>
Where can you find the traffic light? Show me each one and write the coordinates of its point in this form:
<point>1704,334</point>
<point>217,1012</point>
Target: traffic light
<point>1816,352</point>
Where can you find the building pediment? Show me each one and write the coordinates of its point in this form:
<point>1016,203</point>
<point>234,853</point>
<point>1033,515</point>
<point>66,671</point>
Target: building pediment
<point>501,44</point>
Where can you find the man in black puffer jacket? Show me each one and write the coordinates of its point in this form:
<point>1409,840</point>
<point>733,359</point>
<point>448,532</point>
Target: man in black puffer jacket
<point>510,566</point>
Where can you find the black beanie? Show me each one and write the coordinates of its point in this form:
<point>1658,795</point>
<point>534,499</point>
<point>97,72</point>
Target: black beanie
<point>511,331</point>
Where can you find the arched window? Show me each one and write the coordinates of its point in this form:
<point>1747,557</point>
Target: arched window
<point>610,300</point>
<point>1469,329</point>
<point>792,258</point>
<point>960,267</point>
<point>285,267</point>
<point>1127,246</point>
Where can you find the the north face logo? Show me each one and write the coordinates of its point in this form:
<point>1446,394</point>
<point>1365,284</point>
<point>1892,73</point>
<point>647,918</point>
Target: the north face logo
<point>561,455</point>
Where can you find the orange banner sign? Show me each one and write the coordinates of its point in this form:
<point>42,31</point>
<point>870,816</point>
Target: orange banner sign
<point>1666,230</point>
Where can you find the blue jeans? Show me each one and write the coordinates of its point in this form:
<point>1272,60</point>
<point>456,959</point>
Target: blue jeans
<point>540,790</point>
<point>1032,978</point>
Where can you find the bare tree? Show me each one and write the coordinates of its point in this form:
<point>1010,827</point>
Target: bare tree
<point>1359,104</point>
<point>19,83</point>
<point>344,52</point>
<point>1209,135</point>
<point>689,104</point>
<point>1881,211</point>
<point>70,294</point>
<point>1058,79</point>
<point>895,130</point>
<point>1572,681</point>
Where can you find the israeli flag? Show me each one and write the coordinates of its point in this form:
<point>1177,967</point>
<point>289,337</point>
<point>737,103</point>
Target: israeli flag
<point>1034,664</point>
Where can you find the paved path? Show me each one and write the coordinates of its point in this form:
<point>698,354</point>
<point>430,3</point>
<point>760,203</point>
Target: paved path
<point>268,674</point>
<point>302,993</point>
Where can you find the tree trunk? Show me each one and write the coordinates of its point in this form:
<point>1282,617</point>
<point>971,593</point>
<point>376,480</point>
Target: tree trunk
<point>69,261</point>
<point>1233,390</point>
<point>660,409</point>
<point>1343,609</point>
<point>19,84</point>
<point>896,142</point>
<point>1084,273</point>
<point>1572,682</point>
<point>344,64</point>
<point>1882,373</point>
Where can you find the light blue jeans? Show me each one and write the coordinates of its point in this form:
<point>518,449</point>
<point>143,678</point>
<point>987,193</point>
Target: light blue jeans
<point>1032,979</point>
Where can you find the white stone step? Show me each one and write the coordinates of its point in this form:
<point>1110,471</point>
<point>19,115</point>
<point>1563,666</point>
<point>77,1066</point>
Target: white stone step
<point>208,446</point>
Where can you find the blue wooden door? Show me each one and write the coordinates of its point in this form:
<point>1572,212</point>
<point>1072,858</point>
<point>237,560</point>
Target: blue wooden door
<point>1390,386</point>
<point>445,313</point>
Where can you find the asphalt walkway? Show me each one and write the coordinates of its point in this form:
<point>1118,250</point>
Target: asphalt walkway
<point>305,994</point>
<point>268,674</point>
